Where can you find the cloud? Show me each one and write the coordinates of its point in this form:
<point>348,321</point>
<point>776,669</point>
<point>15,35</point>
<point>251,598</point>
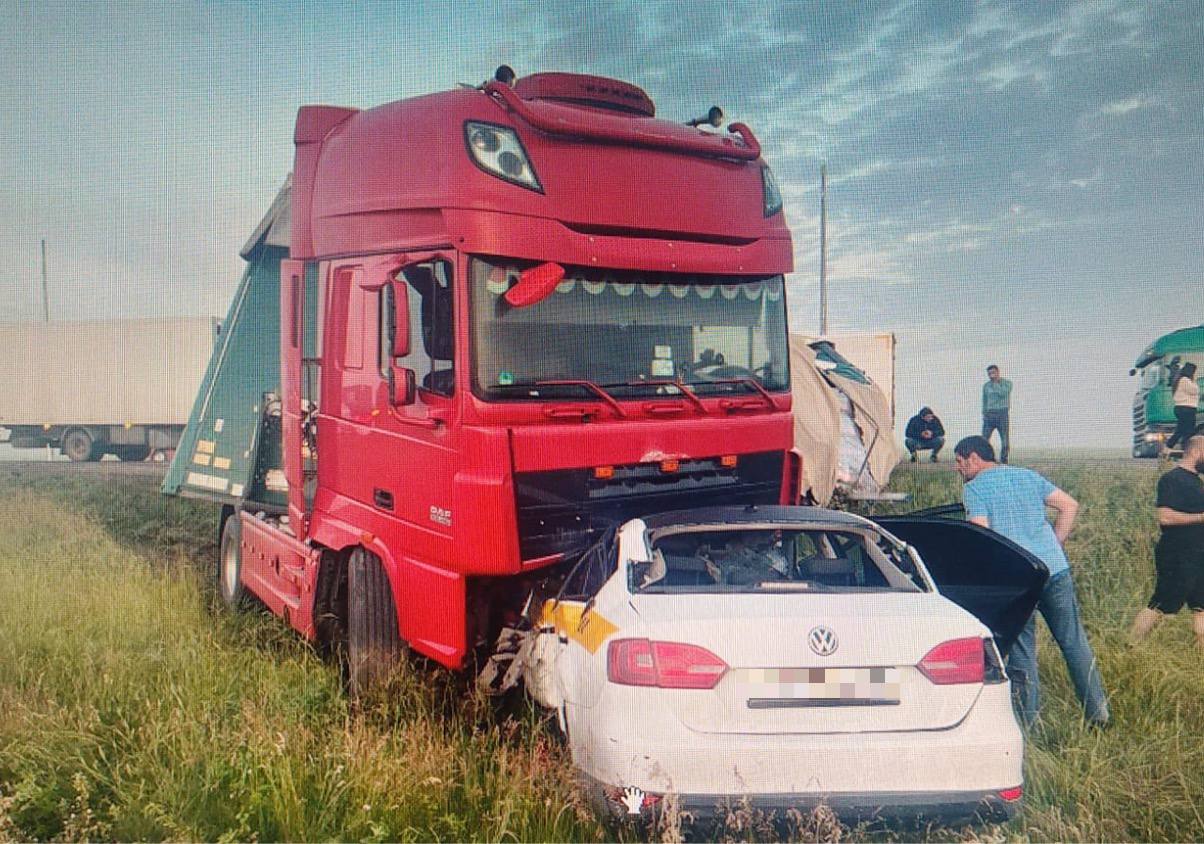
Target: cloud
<point>1127,105</point>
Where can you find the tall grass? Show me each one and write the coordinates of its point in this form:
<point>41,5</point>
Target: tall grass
<point>131,709</point>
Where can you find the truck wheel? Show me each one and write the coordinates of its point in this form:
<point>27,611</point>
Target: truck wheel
<point>132,452</point>
<point>79,446</point>
<point>374,646</point>
<point>229,565</point>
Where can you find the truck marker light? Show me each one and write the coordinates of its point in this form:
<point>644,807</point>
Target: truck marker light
<point>728,461</point>
<point>367,538</point>
<point>670,465</point>
<point>604,473</point>
<point>1011,795</point>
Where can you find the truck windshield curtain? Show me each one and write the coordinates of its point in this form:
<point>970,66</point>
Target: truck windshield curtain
<point>627,332</point>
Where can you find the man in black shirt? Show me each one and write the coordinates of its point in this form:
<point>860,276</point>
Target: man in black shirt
<point>1179,554</point>
<point>924,433</point>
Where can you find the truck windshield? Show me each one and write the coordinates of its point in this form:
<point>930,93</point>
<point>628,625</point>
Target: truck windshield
<point>627,333</point>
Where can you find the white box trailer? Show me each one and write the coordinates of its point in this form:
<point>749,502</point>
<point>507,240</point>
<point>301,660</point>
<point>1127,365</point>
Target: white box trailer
<point>122,387</point>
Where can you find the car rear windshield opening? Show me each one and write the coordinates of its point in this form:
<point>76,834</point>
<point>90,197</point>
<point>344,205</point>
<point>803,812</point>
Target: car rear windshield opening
<point>774,559</point>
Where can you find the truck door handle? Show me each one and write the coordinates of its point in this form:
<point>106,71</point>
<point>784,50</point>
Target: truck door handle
<point>382,498</point>
<point>581,412</point>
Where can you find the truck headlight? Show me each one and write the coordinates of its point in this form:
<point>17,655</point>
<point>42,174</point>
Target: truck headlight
<point>773,196</point>
<point>498,151</point>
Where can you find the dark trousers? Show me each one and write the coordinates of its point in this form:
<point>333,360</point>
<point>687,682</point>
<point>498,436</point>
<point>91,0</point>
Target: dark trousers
<point>935,445</point>
<point>1185,419</point>
<point>996,420</point>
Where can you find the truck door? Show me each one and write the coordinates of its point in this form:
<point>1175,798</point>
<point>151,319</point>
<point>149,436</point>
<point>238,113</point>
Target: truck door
<point>981,571</point>
<point>415,443</point>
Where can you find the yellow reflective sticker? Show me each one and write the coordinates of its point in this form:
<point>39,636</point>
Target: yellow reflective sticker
<point>588,628</point>
<point>593,630</point>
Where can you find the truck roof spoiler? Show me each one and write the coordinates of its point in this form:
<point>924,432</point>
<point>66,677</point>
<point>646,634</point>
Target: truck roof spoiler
<point>623,130</point>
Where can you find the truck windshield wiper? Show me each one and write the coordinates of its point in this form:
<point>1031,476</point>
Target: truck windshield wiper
<point>589,385</point>
<point>670,382</point>
<point>750,382</point>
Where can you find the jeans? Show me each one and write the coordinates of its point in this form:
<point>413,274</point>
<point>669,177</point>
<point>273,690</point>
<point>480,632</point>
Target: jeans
<point>1061,612</point>
<point>996,420</point>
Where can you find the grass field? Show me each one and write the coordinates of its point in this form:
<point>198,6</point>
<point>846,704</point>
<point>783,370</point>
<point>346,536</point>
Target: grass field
<point>131,708</point>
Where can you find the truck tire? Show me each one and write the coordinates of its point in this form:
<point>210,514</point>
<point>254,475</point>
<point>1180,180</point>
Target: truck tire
<point>229,565</point>
<point>132,452</point>
<point>374,645</point>
<point>79,446</point>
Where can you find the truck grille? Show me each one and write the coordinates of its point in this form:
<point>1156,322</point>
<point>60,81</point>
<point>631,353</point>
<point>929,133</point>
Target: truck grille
<point>563,511</point>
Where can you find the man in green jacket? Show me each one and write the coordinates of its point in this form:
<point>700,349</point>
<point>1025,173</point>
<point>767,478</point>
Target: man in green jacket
<point>996,401</point>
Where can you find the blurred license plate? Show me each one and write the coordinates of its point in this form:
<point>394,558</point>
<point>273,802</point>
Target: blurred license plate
<point>773,688</point>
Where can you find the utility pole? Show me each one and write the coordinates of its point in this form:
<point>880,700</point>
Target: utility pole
<point>45,298</point>
<point>823,249</point>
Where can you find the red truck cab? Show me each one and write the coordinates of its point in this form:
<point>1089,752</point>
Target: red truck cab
<point>540,311</point>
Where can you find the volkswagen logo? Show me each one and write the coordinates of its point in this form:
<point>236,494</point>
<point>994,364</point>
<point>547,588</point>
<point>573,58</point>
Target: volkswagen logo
<point>822,641</point>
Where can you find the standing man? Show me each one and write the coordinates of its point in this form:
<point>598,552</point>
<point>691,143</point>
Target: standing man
<point>996,401</point>
<point>1179,554</point>
<point>925,433</point>
<point>1012,501</point>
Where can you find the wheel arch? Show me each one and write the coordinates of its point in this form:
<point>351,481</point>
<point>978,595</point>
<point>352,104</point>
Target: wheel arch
<point>435,625</point>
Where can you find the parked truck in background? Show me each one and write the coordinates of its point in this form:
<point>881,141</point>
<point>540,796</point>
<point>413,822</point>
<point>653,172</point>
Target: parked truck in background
<point>122,386</point>
<point>1156,367</point>
<point>477,329</point>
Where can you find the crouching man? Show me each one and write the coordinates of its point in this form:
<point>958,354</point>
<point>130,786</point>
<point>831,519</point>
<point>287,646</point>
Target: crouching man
<point>925,433</point>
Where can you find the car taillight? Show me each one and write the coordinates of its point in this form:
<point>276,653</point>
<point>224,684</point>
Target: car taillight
<point>666,665</point>
<point>955,661</point>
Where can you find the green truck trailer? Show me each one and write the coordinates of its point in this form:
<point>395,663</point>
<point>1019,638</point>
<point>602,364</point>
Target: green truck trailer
<point>1156,367</point>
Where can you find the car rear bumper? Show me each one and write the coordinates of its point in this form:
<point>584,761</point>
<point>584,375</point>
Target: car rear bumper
<point>958,767</point>
<point>850,807</point>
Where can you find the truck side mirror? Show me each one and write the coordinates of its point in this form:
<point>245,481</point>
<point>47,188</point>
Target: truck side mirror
<point>402,386</point>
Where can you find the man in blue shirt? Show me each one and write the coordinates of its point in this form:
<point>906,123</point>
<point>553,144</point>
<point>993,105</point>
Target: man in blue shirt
<point>1012,501</point>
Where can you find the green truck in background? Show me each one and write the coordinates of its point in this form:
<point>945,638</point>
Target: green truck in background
<point>1153,409</point>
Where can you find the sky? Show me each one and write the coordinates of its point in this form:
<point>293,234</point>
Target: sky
<point>1011,183</point>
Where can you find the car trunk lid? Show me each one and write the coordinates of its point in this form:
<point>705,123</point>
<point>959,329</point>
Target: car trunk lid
<point>777,680</point>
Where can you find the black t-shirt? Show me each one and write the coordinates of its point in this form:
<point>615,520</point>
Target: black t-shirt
<point>1183,491</point>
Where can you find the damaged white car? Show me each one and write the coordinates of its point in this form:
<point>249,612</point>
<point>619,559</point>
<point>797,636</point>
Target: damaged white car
<point>791,657</point>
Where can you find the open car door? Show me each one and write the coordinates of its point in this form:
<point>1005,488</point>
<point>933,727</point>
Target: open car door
<point>981,571</point>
